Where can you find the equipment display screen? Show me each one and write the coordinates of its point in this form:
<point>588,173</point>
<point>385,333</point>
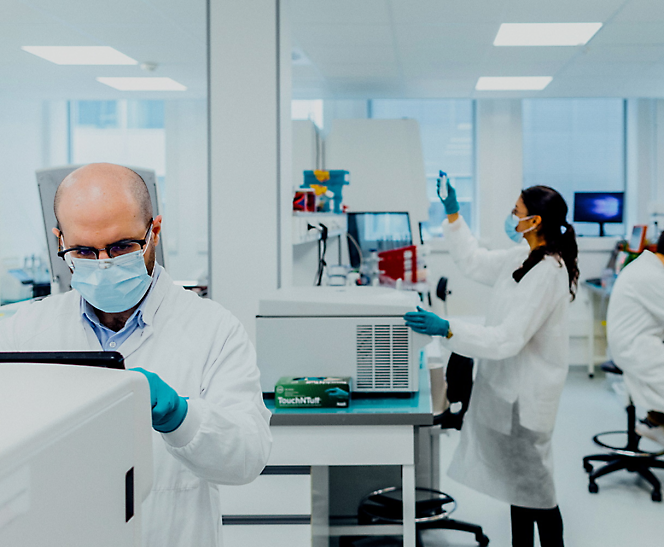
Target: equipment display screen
<point>598,206</point>
<point>377,231</point>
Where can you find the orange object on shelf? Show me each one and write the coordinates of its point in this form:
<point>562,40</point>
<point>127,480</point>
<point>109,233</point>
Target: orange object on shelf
<point>399,264</point>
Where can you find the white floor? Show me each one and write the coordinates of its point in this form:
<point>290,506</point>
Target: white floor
<point>621,514</point>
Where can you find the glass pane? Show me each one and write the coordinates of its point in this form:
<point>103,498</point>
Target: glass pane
<point>145,114</point>
<point>575,145</point>
<point>446,128</point>
<point>99,114</point>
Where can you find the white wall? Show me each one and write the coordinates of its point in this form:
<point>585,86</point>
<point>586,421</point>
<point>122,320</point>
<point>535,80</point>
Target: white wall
<point>307,150</point>
<point>250,157</point>
<point>386,165</point>
<point>186,195</point>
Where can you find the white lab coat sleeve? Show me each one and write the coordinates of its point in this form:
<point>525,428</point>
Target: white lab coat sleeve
<point>477,263</point>
<point>225,437</point>
<point>537,294</point>
<point>7,339</point>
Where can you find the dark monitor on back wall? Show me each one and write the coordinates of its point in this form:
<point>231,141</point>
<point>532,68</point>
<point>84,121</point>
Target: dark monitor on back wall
<point>380,231</point>
<point>599,207</point>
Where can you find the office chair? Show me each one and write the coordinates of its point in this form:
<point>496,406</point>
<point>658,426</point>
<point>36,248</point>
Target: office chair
<point>629,457</point>
<point>432,507</point>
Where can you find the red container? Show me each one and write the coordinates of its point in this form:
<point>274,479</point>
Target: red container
<point>399,264</point>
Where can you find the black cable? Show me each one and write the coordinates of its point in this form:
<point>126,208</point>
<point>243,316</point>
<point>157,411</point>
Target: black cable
<point>322,242</point>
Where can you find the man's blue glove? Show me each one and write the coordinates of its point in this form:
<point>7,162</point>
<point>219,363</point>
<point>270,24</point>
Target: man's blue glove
<point>425,322</point>
<point>168,408</point>
<point>450,200</point>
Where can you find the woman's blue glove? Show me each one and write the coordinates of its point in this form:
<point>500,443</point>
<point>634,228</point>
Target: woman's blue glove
<point>168,408</point>
<point>425,322</point>
<point>450,200</point>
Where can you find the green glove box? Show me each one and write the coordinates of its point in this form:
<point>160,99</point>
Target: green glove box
<point>312,392</point>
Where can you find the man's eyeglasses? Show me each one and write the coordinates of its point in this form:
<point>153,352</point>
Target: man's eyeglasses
<point>113,250</point>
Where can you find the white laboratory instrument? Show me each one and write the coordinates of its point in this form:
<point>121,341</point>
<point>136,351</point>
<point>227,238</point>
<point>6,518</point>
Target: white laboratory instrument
<point>340,331</point>
<point>75,455</point>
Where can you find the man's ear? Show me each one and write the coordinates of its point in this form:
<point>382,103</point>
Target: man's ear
<point>156,229</point>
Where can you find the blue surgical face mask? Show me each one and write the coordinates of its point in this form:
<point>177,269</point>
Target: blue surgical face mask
<point>112,285</point>
<point>511,222</point>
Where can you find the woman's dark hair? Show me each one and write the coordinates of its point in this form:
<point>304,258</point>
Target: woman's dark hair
<point>558,234</point>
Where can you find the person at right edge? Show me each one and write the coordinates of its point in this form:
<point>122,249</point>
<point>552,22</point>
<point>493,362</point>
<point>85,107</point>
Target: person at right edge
<point>522,357</point>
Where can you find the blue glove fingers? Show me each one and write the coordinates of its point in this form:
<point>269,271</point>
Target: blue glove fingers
<point>450,203</point>
<point>168,408</point>
<point>151,377</point>
<point>173,420</point>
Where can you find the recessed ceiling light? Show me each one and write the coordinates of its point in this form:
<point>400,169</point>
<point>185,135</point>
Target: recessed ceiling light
<point>143,84</point>
<point>545,34</point>
<point>513,83</point>
<point>80,55</point>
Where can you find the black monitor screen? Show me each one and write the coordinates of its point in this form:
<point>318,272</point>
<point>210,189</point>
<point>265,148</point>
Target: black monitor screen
<point>377,231</point>
<point>598,206</point>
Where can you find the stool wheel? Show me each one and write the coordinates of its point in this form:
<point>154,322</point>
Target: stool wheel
<point>588,467</point>
<point>593,488</point>
<point>483,541</point>
<point>656,496</point>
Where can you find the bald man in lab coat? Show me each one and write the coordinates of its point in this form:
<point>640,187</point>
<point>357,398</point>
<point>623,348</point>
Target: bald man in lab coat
<point>210,424</point>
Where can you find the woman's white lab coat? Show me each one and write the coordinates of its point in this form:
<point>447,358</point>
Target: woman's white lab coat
<point>635,329</point>
<point>203,352</point>
<point>521,353</point>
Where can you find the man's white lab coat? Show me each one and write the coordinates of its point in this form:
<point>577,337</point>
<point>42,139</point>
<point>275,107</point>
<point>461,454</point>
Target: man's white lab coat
<point>203,352</point>
<point>635,329</point>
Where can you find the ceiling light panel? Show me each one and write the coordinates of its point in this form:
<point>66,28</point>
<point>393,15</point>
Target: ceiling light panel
<point>81,55</point>
<point>545,34</point>
<point>513,83</point>
<point>143,84</point>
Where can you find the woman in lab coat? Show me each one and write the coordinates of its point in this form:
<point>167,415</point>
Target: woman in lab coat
<point>522,357</point>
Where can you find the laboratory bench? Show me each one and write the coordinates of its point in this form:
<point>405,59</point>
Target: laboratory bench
<point>289,503</point>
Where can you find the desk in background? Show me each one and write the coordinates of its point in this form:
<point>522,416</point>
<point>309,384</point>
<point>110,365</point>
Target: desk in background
<point>599,299</point>
<point>288,504</point>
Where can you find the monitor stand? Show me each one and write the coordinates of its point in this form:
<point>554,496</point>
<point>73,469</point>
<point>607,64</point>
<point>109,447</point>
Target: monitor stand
<point>601,229</point>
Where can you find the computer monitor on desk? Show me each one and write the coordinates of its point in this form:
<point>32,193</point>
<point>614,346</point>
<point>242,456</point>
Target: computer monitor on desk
<point>380,231</point>
<point>600,207</point>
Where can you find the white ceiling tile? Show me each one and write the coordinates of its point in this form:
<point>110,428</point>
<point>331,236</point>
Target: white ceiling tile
<point>83,12</point>
<point>17,13</point>
<point>621,54</point>
<point>560,11</point>
<point>151,43</point>
<point>459,35</point>
<point>448,88</point>
<point>321,55</point>
<point>439,12</point>
<point>630,34</point>
<point>343,34</point>
<point>339,11</point>
<point>466,54</point>
<point>641,11</point>
<point>431,70</point>
<point>361,71</point>
<point>583,69</point>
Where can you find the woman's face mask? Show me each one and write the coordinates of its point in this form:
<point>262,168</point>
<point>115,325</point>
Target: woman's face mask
<point>511,223</point>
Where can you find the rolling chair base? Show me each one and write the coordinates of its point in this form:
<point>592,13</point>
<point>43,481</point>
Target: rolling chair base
<point>432,511</point>
<point>616,462</point>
